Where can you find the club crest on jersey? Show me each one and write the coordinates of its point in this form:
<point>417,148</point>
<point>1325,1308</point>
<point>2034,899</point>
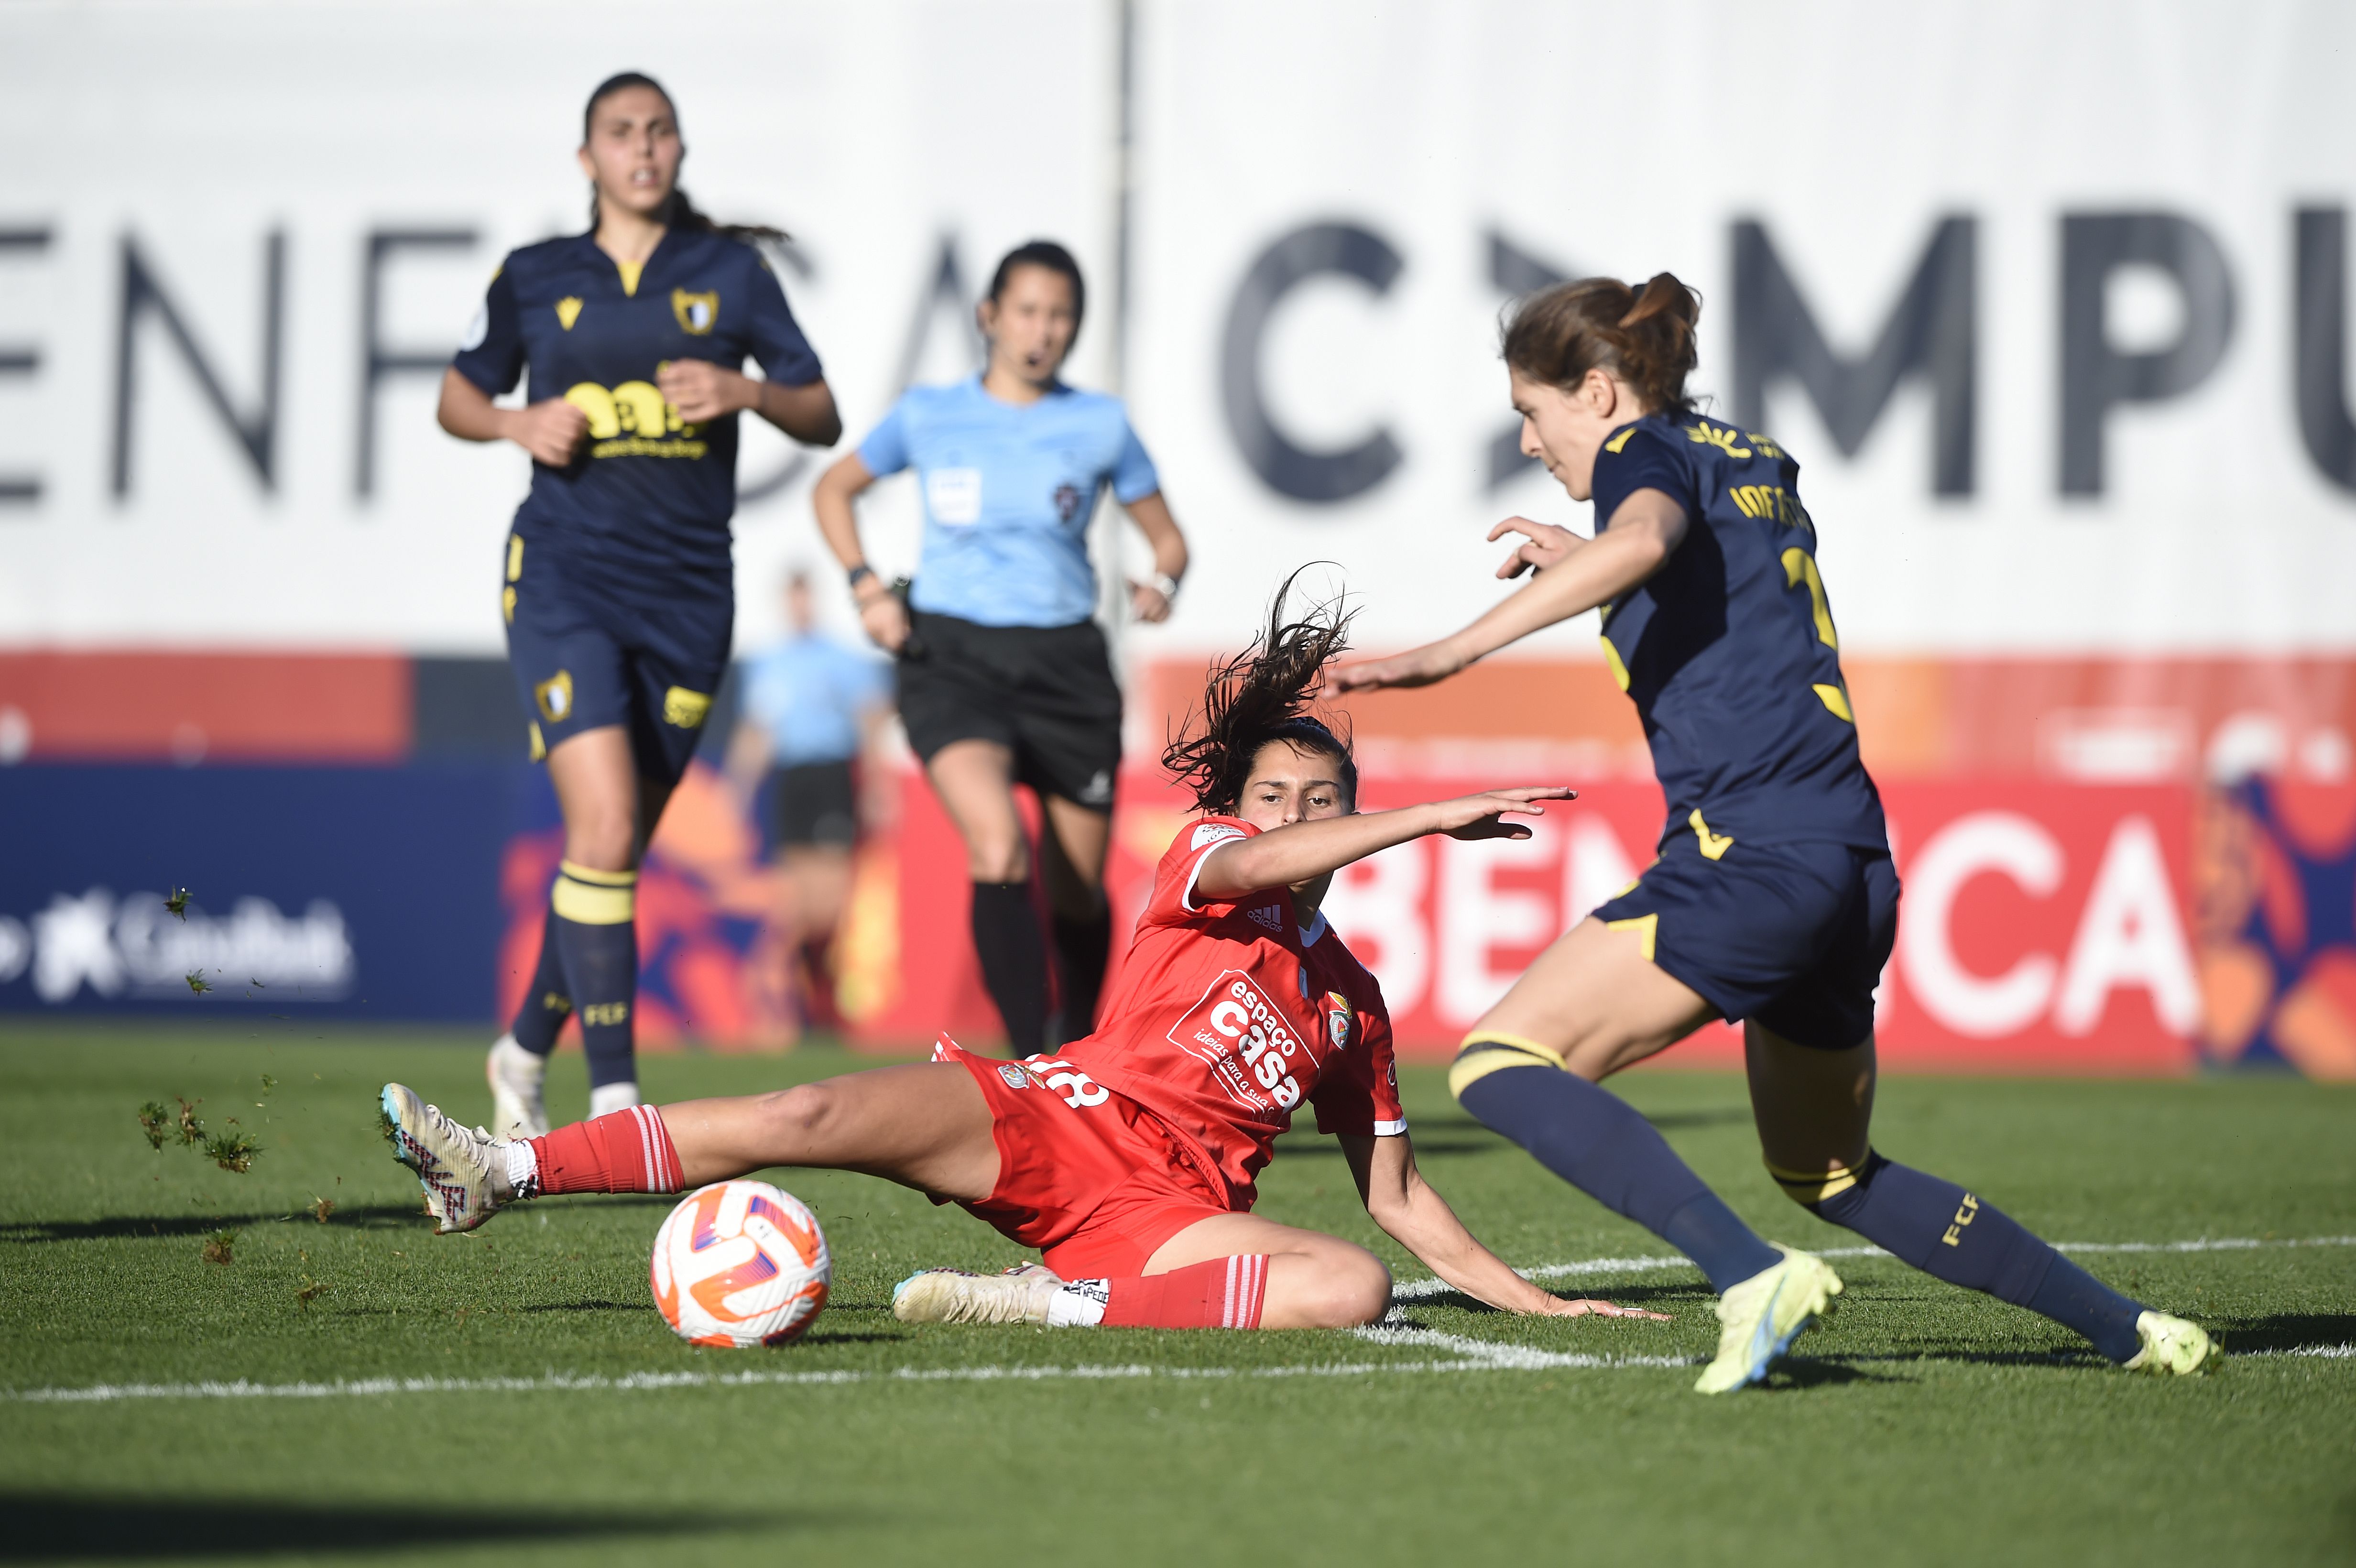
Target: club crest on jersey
<point>1067,501</point>
<point>568,311</point>
<point>696,312</point>
<point>1337,1019</point>
<point>1014,1076</point>
<point>1212,833</point>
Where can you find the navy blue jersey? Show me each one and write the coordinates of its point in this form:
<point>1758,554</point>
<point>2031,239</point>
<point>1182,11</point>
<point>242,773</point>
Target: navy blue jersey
<point>646,504</point>
<point>1728,650</point>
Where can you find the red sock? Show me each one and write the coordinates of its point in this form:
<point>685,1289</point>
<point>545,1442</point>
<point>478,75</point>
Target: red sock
<point>1225,1293</point>
<point>628,1151</point>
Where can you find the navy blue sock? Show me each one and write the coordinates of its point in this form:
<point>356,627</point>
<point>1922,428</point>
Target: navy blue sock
<point>1596,1141</point>
<point>597,937</point>
<point>546,1003</point>
<point>1947,1232</point>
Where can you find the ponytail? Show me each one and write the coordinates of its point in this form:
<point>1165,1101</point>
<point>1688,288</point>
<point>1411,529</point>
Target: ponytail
<point>681,213</point>
<point>1645,337</point>
<point>1261,695</point>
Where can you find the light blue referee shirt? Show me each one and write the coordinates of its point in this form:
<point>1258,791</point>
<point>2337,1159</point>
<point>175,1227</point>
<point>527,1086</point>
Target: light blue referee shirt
<point>1007,492</point>
<point>810,693</point>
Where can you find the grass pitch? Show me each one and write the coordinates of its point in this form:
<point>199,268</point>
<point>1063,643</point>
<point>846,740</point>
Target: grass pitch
<point>356,1388</point>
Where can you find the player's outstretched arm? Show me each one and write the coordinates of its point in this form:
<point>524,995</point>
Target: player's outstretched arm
<point>1649,525</point>
<point>1404,1205</point>
<point>1303,851</point>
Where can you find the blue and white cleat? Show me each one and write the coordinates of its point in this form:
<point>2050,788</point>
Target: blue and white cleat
<point>1759,1318</point>
<point>460,1170</point>
<point>2172,1347</point>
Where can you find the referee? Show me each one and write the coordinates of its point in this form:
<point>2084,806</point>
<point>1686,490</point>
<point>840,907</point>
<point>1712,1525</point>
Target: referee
<point>1004,677</point>
<point>619,590</point>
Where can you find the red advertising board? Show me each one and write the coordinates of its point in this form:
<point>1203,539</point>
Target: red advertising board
<point>2043,928</point>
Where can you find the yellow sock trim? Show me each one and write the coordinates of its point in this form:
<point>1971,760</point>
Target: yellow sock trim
<point>610,898</point>
<point>1810,1188</point>
<point>580,873</point>
<point>1484,1053</point>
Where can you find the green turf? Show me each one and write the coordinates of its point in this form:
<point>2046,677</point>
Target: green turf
<point>1923,1425</point>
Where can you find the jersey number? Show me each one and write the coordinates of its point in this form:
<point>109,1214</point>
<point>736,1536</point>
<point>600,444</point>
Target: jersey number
<point>1079,1090</point>
<point>1800,567</point>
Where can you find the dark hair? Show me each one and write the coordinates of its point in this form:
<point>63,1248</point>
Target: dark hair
<point>681,212</point>
<point>1644,337</point>
<point>1264,694</point>
<point>1055,259</point>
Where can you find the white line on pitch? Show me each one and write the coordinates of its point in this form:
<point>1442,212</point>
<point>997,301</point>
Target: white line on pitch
<point>1417,1289</point>
<point>1471,1354</point>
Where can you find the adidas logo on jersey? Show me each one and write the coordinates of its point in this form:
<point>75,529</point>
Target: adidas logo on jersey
<point>1268,916</point>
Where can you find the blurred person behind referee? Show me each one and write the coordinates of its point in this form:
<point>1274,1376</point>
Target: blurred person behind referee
<point>812,708</point>
<point>1004,674</point>
<point>619,594</point>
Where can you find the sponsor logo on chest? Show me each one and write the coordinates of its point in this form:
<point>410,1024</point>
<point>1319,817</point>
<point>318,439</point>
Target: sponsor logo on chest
<point>1251,1048</point>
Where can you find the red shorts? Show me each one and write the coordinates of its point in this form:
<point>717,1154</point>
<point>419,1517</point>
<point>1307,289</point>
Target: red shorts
<point>1092,1179</point>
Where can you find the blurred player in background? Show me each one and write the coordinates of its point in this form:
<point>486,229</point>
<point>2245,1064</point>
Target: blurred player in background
<point>1130,1157</point>
<point>1005,676</point>
<point>1773,899</point>
<point>812,708</point>
<point>619,594</point>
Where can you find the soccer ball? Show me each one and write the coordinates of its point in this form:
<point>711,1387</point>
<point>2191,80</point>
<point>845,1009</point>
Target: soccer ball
<point>740,1264</point>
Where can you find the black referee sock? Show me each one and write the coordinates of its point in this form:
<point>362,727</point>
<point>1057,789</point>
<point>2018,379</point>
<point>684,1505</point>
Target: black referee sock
<point>1947,1232</point>
<point>1082,947</point>
<point>1597,1142</point>
<point>597,936</point>
<point>546,1003</point>
<point>1013,961</point>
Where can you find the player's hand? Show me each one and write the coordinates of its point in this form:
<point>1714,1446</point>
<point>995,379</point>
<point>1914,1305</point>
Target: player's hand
<point>1483,815</point>
<point>703,391</point>
<point>1547,546</point>
<point>1417,666</point>
<point>551,431</point>
<point>1148,604</point>
<point>885,619</point>
<point>1588,1306</point>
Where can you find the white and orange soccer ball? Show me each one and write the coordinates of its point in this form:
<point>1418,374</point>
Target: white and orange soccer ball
<point>740,1264</point>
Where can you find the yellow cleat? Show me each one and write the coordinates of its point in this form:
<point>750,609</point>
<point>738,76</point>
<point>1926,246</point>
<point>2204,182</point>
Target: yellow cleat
<point>1759,1318</point>
<point>2172,1347</point>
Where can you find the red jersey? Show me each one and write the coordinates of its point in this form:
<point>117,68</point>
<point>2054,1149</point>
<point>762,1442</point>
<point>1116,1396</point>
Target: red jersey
<point>1228,1015</point>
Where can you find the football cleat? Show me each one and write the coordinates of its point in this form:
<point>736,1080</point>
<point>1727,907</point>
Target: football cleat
<point>2172,1347</point>
<point>516,1075</point>
<point>1759,1318</point>
<point>459,1170</point>
<point>1021,1295</point>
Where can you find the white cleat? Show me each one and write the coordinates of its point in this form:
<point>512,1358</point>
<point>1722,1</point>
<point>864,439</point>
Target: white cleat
<point>518,1110</point>
<point>2172,1347</point>
<point>612,1097</point>
<point>461,1171</point>
<point>1021,1295</point>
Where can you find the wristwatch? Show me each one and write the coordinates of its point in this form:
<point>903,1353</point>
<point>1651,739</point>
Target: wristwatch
<point>1166,585</point>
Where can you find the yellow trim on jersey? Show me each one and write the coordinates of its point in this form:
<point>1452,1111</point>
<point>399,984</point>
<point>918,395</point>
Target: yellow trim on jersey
<point>1617,442</point>
<point>515,558</point>
<point>684,707</point>
<point>1484,1053</point>
<point>568,311</point>
<point>1813,1187</point>
<point>539,746</point>
<point>507,608</point>
<point>1714,846</point>
<point>1612,657</point>
<point>630,271</point>
<point>1647,928</point>
<point>1834,698</point>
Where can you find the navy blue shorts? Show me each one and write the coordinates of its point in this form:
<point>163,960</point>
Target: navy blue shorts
<point>584,660</point>
<point>1792,937</point>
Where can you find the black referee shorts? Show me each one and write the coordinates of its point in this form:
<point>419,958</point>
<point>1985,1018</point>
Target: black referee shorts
<point>1046,693</point>
<point>817,803</point>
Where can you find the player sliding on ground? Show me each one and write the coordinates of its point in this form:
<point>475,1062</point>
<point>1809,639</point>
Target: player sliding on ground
<point>1772,900</point>
<point>1128,1156</point>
